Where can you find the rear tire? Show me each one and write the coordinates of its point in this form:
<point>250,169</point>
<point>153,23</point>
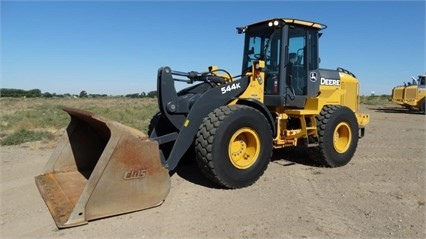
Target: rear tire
<point>338,136</point>
<point>234,146</point>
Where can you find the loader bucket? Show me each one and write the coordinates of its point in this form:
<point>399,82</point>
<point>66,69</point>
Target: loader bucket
<point>101,168</point>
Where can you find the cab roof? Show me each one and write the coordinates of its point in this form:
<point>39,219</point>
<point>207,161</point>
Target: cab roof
<point>292,21</point>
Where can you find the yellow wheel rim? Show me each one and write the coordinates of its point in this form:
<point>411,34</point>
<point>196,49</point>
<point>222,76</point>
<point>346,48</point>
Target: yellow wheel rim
<point>244,148</point>
<point>342,137</point>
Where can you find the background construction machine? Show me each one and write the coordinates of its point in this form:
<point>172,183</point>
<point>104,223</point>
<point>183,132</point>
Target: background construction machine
<point>230,125</point>
<point>411,95</point>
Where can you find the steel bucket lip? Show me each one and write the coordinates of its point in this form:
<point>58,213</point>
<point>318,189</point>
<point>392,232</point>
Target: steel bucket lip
<point>81,112</point>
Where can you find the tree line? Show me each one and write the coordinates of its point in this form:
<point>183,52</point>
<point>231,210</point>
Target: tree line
<point>36,93</point>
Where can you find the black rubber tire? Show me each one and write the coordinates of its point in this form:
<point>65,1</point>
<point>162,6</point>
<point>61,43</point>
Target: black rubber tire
<point>213,145</point>
<point>423,106</point>
<point>163,127</point>
<point>158,118</point>
<point>338,136</point>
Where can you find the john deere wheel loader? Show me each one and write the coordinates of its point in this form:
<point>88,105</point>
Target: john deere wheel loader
<point>411,95</point>
<point>231,124</point>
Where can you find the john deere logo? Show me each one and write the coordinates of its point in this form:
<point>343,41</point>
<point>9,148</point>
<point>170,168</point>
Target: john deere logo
<point>313,76</point>
<point>325,81</point>
<point>134,174</point>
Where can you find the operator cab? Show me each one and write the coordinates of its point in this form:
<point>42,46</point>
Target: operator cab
<point>289,48</point>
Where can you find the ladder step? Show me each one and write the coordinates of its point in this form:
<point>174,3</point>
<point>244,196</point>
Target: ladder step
<point>313,144</point>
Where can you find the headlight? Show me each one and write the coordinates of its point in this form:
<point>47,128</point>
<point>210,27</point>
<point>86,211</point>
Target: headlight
<point>274,23</point>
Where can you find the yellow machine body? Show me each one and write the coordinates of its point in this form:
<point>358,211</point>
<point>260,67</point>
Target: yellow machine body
<point>411,95</point>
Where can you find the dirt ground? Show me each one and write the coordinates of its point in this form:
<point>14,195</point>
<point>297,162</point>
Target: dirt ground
<point>379,194</point>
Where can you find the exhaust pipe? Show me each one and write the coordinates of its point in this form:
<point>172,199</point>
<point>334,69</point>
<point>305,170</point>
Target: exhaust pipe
<point>99,169</point>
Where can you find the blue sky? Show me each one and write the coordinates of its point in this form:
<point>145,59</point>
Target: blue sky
<point>116,47</point>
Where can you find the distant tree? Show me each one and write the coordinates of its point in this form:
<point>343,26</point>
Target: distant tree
<point>143,94</point>
<point>152,94</point>
<point>20,93</point>
<point>83,94</point>
<point>135,95</point>
<point>4,92</point>
<point>33,93</point>
<point>94,95</point>
<point>47,95</point>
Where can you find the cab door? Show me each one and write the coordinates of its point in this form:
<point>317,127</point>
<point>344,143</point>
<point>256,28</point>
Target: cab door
<point>301,66</point>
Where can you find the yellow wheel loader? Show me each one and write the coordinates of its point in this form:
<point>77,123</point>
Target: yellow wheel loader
<point>229,124</point>
<point>411,95</point>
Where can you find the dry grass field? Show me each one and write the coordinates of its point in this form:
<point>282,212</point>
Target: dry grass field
<point>45,115</point>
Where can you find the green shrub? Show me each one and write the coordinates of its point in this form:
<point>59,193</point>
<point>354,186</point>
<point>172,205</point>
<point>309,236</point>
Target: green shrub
<point>23,136</point>
<point>375,100</point>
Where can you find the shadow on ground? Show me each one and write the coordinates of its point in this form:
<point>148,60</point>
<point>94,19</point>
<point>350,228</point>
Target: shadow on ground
<point>392,109</point>
<point>189,170</point>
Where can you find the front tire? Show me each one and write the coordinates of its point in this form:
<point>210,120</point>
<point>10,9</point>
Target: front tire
<point>162,127</point>
<point>423,106</point>
<point>234,146</point>
<point>338,136</point>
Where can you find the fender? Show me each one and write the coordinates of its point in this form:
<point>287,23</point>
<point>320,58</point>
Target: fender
<point>262,108</point>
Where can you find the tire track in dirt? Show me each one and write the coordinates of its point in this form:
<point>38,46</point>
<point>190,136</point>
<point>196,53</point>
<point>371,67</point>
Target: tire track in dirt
<point>321,211</point>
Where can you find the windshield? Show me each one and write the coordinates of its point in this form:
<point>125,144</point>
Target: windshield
<point>262,43</point>
<point>422,80</point>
